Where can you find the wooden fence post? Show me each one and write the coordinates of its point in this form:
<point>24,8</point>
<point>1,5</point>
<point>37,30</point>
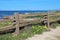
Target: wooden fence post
<point>48,24</point>
<point>47,20</point>
<point>16,23</point>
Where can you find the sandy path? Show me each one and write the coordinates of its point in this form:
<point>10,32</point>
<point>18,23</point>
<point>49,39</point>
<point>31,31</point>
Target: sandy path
<point>54,34</point>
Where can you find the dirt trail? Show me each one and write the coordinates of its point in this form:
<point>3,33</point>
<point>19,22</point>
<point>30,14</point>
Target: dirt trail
<point>54,34</point>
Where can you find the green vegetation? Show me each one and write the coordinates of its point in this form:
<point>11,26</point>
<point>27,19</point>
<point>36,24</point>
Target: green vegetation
<point>28,31</point>
<point>7,23</point>
<point>54,17</point>
<point>38,29</point>
<point>34,16</point>
<point>25,33</point>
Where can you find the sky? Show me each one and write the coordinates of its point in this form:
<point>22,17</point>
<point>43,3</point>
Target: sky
<point>29,4</point>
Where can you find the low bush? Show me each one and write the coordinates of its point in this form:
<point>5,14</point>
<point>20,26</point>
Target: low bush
<point>25,33</point>
<point>7,23</point>
<point>38,29</point>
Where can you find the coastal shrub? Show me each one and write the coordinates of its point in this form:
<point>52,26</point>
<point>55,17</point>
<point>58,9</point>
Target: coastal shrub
<point>38,29</point>
<point>7,23</point>
<point>25,33</point>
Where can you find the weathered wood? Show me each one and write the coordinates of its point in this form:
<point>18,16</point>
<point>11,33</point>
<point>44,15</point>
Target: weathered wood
<point>16,17</point>
<point>46,17</point>
<point>48,23</point>
<point>23,23</point>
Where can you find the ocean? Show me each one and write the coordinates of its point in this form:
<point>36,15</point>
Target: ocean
<point>8,13</point>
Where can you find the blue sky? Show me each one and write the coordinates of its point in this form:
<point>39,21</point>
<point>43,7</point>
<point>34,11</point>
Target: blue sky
<point>29,4</point>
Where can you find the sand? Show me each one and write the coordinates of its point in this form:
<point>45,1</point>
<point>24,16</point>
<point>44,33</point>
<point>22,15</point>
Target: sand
<point>54,34</point>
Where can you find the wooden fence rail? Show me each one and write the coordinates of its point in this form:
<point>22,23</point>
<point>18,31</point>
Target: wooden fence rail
<point>18,23</point>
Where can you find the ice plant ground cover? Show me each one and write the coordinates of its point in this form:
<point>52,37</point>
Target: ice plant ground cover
<point>25,33</point>
<point>4,24</point>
